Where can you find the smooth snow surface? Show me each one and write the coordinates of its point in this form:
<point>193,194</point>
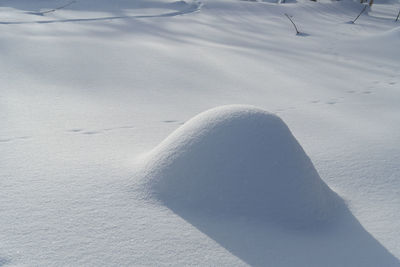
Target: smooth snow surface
<point>239,161</point>
<point>88,90</point>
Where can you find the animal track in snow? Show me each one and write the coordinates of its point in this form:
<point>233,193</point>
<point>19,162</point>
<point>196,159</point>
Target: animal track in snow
<point>331,102</point>
<point>74,130</point>
<point>6,140</point>
<point>92,132</point>
<point>119,128</point>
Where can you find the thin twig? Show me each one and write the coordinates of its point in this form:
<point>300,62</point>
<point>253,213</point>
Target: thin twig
<point>57,8</point>
<point>362,11</point>
<point>398,15</point>
<point>294,25</point>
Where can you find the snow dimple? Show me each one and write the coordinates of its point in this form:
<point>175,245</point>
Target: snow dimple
<point>239,161</point>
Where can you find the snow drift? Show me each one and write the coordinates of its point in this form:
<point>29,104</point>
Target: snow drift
<point>238,161</point>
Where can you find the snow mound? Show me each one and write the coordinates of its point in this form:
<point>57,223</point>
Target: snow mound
<point>238,161</point>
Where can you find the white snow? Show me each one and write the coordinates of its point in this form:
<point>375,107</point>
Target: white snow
<point>239,161</point>
<point>88,91</point>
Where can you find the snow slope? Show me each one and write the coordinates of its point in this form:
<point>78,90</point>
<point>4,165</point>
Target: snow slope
<point>85,95</point>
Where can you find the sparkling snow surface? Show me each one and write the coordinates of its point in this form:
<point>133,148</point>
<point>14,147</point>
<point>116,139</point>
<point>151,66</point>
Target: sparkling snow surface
<point>88,90</point>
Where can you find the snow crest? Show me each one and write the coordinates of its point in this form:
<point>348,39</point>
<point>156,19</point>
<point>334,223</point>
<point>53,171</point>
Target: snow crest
<point>238,161</point>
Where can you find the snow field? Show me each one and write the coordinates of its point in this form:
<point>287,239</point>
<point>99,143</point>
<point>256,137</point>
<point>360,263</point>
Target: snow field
<point>101,84</point>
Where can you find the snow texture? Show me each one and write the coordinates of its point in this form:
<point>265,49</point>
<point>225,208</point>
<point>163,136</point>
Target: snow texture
<point>87,89</point>
<point>239,161</point>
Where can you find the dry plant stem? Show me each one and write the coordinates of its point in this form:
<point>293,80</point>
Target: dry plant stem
<point>294,25</point>
<point>362,11</point>
<point>57,8</point>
